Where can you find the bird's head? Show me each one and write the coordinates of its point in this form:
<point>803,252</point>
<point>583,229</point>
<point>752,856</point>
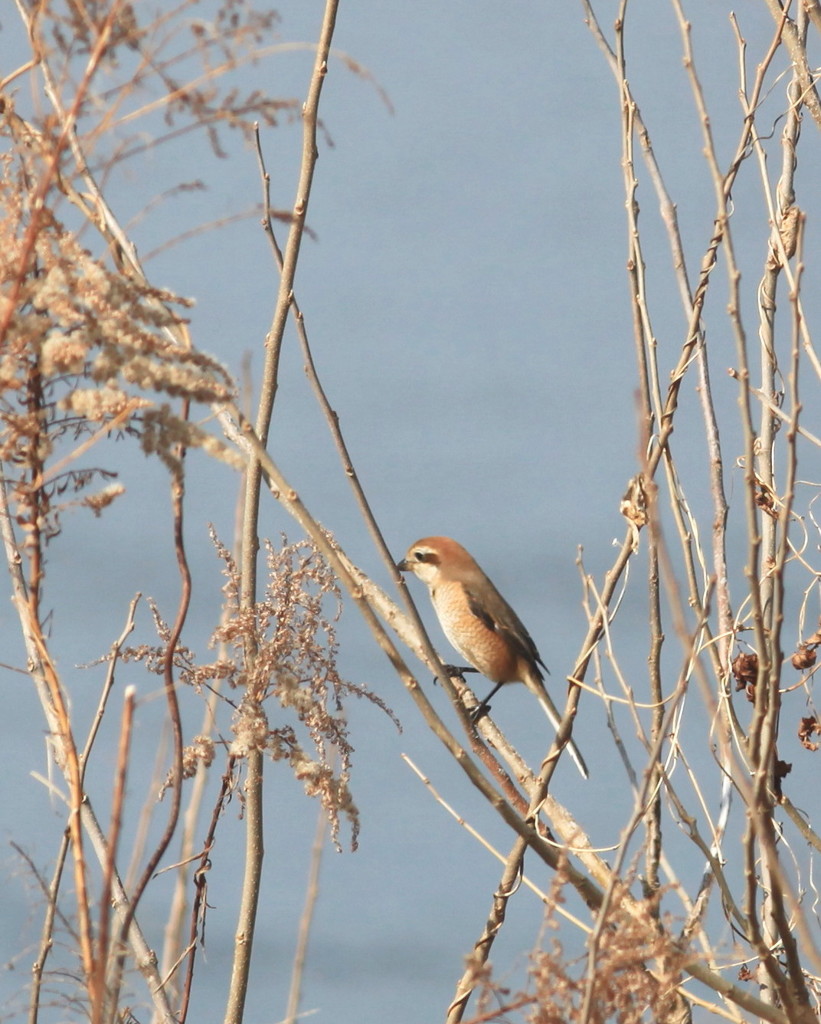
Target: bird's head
<point>436,558</point>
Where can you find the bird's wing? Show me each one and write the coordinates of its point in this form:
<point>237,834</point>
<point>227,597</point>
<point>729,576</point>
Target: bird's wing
<point>497,615</point>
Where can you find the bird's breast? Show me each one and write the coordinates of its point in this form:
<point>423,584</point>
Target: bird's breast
<point>486,649</point>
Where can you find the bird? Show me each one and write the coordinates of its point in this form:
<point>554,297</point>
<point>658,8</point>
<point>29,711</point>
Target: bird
<point>480,623</point>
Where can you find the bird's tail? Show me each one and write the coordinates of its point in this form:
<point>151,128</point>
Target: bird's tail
<point>536,686</point>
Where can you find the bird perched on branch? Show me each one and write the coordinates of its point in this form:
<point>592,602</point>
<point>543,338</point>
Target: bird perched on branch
<point>480,624</point>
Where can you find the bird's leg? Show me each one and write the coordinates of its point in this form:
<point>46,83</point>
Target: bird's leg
<point>482,709</point>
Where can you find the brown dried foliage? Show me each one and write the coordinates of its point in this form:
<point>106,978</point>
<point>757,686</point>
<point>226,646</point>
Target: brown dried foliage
<point>283,657</point>
<point>804,658</point>
<point>809,727</point>
<point>86,350</point>
<point>91,352</point>
<point>745,673</point>
<point>624,988</point>
<point>177,64</point>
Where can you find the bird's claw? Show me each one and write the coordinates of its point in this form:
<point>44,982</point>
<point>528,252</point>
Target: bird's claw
<point>479,712</point>
<point>458,670</point>
<point>450,671</point>
<point>455,670</point>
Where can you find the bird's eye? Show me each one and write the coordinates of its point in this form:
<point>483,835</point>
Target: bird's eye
<point>419,556</point>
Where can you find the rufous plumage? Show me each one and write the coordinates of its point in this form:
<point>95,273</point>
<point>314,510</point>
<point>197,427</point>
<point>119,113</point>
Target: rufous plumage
<point>480,623</point>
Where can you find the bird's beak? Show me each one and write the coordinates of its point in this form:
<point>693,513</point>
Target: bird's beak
<point>403,565</point>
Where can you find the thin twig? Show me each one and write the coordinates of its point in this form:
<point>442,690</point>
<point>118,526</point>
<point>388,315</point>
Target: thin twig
<point>306,919</point>
<point>240,972</point>
<point>98,1011</point>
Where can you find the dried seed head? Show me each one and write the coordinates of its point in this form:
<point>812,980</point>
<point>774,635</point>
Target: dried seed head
<point>804,658</point>
<point>745,669</point>
<point>809,727</point>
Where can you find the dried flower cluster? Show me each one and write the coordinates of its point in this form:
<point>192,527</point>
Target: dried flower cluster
<point>283,657</point>
<point>84,348</point>
<point>199,752</point>
<point>285,652</point>
<point>624,988</point>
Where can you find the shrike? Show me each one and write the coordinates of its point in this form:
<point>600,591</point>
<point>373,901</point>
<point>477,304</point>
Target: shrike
<point>480,624</point>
